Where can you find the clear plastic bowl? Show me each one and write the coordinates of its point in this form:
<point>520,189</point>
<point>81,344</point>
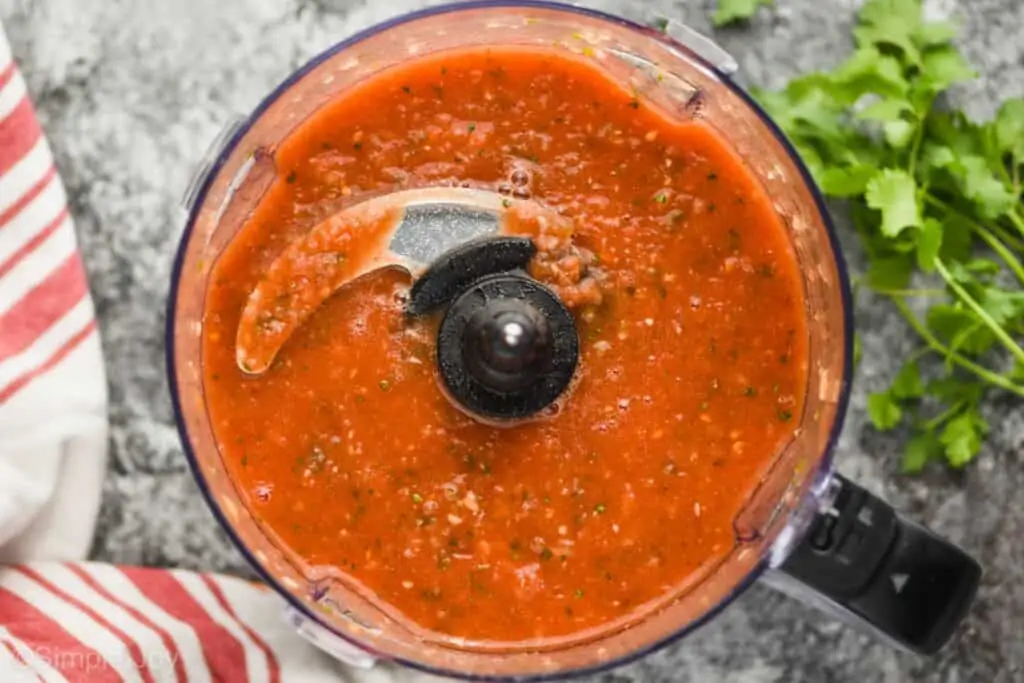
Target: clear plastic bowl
<point>679,72</point>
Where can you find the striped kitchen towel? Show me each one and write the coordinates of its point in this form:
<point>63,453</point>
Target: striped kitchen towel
<point>53,427</point>
<point>97,623</point>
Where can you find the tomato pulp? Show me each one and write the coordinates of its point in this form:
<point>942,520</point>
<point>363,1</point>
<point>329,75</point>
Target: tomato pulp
<point>691,377</point>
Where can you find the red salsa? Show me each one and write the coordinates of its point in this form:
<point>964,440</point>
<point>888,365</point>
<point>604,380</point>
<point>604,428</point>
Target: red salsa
<point>691,375</point>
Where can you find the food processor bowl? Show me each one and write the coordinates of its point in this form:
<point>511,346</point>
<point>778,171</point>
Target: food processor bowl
<point>780,529</point>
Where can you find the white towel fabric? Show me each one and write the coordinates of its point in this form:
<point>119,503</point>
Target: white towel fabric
<point>53,392</point>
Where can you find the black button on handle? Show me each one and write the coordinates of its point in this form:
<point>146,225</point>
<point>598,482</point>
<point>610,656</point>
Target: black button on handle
<point>822,534</point>
<point>867,563</point>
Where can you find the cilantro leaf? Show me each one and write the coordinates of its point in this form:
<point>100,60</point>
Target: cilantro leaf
<point>867,71</point>
<point>1017,374</point>
<point>730,11</point>
<point>929,244</point>
<point>934,33</point>
<point>894,193</point>
<point>1009,126</point>
<point>884,412</point>
<point>887,110</point>
<point>957,239</point>
<point>938,156</point>
<point>899,133</point>
<point>889,34</point>
<point>891,272</point>
<point>959,329</point>
<point>955,131</point>
<point>901,13</point>
<point>992,198</point>
<point>944,66</point>
<point>921,449</point>
<point>1003,306</point>
<point>961,437</point>
<point>850,181</point>
<point>908,384</point>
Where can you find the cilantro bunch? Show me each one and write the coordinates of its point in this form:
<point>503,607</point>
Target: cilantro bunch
<point>936,199</point>
<point>731,11</point>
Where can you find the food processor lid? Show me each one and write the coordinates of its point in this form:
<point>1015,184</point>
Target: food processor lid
<point>507,346</point>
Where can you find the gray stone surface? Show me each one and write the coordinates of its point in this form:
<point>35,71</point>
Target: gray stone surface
<point>131,91</point>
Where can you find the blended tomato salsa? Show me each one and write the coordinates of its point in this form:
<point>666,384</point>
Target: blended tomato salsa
<point>692,354</point>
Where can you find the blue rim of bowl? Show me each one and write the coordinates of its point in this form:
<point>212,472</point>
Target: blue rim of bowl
<point>824,465</point>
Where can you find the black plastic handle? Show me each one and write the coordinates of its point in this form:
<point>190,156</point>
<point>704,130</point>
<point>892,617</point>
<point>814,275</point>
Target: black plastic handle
<point>902,580</point>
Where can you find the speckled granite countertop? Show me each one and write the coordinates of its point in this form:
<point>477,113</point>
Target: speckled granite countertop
<point>132,92</point>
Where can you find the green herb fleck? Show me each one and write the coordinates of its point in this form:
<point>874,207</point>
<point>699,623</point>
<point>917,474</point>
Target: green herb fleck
<point>750,391</point>
<point>384,385</point>
<point>599,508</point>
<point>784,415</point>
<point>406,89</point>
<point>290,178</point>
<point>661,197</point>
<point>471,127</point>
<point>417,498</point>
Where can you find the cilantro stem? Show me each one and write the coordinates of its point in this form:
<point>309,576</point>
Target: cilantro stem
<point>915,149</point>
<point>991,237</point>
<point>931,424</point>
<point>945,351</point>
<point>910,292</point>
<point>1007,238</point>
<point>1017,221</point>
<point>998,247</point>
<point>982,314</point>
